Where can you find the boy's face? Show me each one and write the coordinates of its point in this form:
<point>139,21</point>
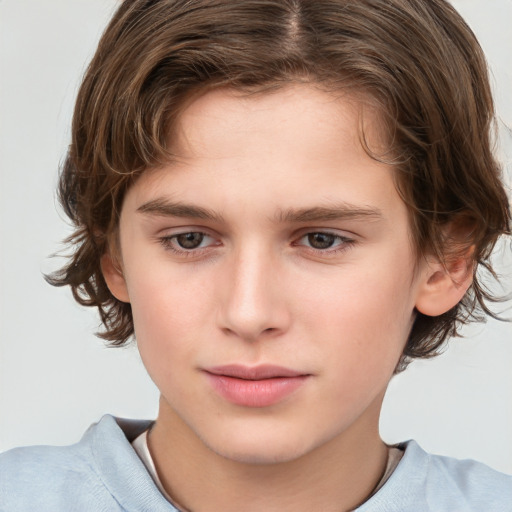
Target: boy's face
<point>275,240</point>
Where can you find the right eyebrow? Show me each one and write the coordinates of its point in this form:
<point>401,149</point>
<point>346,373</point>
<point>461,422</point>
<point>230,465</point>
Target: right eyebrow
<point>162,207</point>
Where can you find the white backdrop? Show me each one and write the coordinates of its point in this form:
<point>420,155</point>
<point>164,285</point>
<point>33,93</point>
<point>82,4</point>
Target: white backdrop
<point>56,378</point>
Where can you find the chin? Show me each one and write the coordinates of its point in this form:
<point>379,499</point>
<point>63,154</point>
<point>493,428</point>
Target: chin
<point>260,450</point>
<point>260,457</point>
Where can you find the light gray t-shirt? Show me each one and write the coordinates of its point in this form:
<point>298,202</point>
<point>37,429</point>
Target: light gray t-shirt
<point>103,473</point>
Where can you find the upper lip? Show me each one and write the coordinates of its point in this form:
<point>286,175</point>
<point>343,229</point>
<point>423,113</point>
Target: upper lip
<point>265,371</point>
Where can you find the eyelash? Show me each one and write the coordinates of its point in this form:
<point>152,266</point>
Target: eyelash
<point>344,243</point>
<point>169,244</point>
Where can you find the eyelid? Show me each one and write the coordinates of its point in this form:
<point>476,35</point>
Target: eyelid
<point>346,242</point>
<point>341,233</point>
<point>168,236</point>
<point>173,231</point>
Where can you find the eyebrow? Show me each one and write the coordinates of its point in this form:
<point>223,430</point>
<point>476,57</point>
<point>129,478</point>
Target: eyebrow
<point>165,208</point>
<point>325,213</point>
<point>344,211</point>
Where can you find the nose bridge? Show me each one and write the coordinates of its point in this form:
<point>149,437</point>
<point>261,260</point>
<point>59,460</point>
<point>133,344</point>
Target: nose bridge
<point>255,303</point>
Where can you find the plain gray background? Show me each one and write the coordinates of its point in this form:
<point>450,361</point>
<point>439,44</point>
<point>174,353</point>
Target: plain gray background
<point>56,378</point>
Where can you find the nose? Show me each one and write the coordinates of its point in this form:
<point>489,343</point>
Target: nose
<point>254,301</point>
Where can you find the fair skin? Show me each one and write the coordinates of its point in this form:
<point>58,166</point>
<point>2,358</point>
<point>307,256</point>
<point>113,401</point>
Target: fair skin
<point>273,239</point>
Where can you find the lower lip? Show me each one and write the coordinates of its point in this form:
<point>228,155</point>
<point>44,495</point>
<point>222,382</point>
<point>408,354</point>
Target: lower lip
<point>255,393</point>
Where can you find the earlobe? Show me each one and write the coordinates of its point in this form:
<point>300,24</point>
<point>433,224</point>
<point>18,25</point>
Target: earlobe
<point>114,278</point>
<point>443,286</point>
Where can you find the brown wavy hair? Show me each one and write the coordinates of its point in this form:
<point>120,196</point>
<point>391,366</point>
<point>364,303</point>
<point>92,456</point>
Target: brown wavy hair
<point>416,60</point>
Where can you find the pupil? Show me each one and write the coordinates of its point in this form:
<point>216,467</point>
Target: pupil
<point>321,240</point>
<point>190,240</point>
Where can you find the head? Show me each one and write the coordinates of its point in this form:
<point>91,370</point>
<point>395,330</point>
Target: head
<point>414,67</point>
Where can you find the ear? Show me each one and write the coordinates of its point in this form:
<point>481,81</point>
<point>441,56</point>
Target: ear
<point>114,278</point>
<point>443,285</point>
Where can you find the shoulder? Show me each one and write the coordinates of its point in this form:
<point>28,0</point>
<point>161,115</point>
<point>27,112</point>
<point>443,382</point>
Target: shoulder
<point>43,476</point>
<point>423,482</point>
<point>76,477</point>
<point>468,478</point>
<point>468,485</point>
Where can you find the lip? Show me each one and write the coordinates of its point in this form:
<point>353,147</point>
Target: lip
<point>258,386</point>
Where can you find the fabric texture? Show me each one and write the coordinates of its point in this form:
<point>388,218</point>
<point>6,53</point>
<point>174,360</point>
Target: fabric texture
<point>103,473</point>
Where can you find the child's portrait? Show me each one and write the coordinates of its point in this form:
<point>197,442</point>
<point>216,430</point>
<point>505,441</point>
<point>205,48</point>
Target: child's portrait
<point>256,256</point>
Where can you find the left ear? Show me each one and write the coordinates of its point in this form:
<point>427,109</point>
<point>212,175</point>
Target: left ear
<point>442,285</point>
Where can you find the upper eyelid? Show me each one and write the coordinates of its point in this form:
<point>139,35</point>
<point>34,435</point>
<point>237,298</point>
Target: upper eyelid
<point>342,233</point>
<point>171,232</point>
<point>175,235</point>
<point>341,238</point>
<point>330,233</point>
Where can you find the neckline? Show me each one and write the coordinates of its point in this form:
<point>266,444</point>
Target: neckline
<point>141,447</point>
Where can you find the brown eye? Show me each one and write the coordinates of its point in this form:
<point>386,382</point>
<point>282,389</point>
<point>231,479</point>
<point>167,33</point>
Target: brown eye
<point>321,240</point>
<point>189,240</point>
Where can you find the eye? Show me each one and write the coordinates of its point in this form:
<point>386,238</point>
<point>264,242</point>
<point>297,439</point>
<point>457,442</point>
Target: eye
<point>187,242</point>
<point>190,240</point>
<point>321,240</point>
<point>325,242</point>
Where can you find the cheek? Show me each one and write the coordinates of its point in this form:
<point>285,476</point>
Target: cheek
<point>163,335</point>
<point>366,317</point>
<point>164,299</point>
<point>166,320</point>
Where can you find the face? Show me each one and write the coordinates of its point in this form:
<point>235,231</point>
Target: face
<point>270,272</point>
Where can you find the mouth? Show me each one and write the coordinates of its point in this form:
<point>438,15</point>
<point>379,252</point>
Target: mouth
<point>259,386</point>
<point>261,372</point>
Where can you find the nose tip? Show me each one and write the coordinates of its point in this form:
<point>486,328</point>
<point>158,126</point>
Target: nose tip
<point>251,323</point>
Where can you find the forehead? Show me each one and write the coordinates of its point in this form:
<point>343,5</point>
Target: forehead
<point>220,118</point>
<point>298,147</point>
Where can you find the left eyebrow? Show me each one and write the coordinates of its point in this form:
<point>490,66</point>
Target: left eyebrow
<point>165,208</point>
<point>337,212</point>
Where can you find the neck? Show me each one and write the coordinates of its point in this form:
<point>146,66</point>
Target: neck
<point>338,475</point>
